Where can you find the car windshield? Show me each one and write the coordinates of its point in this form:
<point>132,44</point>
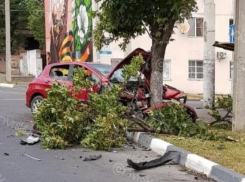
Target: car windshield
<point>105,69</point>
<point>102,68</point>
<point>117,77</point>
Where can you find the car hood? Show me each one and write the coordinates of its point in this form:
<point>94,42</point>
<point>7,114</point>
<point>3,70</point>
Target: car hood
<point>127,60</point>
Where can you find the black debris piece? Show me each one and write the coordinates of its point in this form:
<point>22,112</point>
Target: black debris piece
<point>7,154</point>
<point>167,157</point>
<point>146,149</point>
<point>92,157</point>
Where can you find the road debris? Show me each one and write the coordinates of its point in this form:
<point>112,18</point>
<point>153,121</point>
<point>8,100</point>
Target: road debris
<point>146,149</point>
<point>92,157</point>
<point>31,140</point>
<point>6,154</point>
<point>61,158</point>
<point>228,138</point>
<point>10,136</point>
<point>34,158</point>
<point>20,133</point>
<point>28,120</point>
<point>167,157</point>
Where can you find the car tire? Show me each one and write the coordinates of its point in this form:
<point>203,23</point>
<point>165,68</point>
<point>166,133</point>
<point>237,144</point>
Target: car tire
<point>34,103</point>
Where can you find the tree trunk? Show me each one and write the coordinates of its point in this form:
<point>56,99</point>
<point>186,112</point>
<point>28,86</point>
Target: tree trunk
<point>158,53</point>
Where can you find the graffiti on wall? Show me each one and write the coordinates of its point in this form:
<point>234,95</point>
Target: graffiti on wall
<point>68,30</point>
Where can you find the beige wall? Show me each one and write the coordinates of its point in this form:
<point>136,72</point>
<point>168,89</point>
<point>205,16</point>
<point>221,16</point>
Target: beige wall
<point>185,48</point>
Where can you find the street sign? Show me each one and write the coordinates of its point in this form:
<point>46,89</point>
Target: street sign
<point>105,52</point>
<point>232,33</point>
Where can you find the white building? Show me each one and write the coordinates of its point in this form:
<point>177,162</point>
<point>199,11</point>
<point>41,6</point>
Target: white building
<point>183,67</point>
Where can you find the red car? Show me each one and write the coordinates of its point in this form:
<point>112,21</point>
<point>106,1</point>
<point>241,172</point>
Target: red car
<point>102,75</point>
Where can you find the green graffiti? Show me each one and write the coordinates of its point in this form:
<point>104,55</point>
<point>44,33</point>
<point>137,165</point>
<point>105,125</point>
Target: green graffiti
<point>81,23</point>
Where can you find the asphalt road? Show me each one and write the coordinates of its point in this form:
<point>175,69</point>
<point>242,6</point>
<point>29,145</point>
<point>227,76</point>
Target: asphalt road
<point>67,165</point>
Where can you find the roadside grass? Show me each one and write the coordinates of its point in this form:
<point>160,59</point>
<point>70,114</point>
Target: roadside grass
<point>229,154</point>
<point>200,96</point>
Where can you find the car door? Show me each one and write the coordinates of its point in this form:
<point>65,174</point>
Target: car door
<point>59,73</point>
<point>95,78</point>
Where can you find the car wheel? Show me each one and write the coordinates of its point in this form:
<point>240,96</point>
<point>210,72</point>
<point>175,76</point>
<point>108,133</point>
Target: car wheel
<point>35,102</point>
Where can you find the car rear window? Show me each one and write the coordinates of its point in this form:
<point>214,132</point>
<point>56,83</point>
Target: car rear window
<point>59,72</point>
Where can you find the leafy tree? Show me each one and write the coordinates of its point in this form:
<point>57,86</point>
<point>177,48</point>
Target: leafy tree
<point>18,19</point>
<point>35,9</point>
<point>24,15</point>
<point>2,37</point>
<point>131,18</point>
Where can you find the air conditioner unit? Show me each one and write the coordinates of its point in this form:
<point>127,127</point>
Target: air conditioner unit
<point>221,55</point>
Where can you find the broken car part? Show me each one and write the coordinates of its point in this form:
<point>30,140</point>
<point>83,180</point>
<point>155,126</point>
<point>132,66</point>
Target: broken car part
<point>167,157</point>
<point>92,157</point>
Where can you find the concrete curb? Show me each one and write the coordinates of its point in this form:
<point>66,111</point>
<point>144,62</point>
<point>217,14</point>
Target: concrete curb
<point>14,85</point>
<point>187,159</point>
<point>6,85</point>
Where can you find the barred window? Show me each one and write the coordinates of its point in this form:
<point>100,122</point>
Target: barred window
<point>195,69</point>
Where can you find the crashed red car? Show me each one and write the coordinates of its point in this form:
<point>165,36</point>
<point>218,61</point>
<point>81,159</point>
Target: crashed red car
<point>103,76</point>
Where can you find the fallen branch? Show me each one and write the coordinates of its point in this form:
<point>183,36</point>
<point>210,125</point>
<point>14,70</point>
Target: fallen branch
<point>142,123</point>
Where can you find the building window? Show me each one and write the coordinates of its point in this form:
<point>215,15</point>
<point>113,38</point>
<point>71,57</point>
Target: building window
<point>195,69</point>
<point>231,69</point>
<point>196,27</point>
<point>166,69</point>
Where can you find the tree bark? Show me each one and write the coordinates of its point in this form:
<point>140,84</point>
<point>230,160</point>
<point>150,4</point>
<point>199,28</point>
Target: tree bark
<point>158,54</point>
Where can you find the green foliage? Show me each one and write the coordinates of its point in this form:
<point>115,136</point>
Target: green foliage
<point>81,41</point>
<point>107,103</point>
<point>61,118</point>
<point>174,119</point>
<point>36,15</point>
<point>18,19</point>
<point>131,18</point>
<point>109,129</point>
<point>132,69</point>
<point>24,15</point>
<point>224,103</point>
<point>64,121</point>
<point>81,80</point>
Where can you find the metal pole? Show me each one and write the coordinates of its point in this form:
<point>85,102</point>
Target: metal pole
<point>238,121</point>
<point>8,43</point>
<point>209,55</point>
<point>233,55</point>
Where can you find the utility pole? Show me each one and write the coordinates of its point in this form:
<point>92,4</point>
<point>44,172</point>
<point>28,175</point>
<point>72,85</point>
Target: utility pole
<point>209,54</point>
<point>8,43</point>
<point>238,121</point>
